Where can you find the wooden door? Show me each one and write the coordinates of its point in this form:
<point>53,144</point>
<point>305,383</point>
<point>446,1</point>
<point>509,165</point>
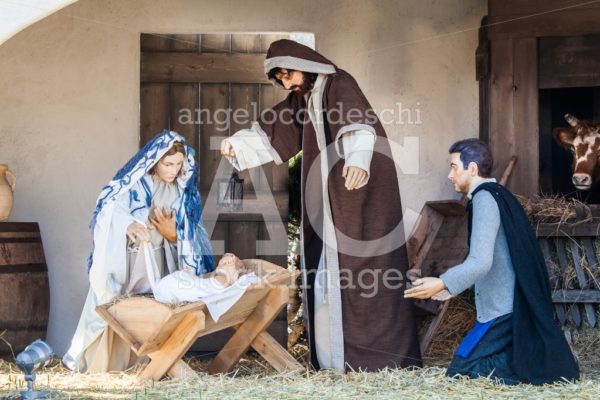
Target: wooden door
<point>188,82</point>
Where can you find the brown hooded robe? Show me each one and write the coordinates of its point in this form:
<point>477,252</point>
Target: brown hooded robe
<point>378,330</point>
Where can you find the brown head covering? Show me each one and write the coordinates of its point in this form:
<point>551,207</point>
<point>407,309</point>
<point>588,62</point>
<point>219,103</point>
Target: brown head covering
<point>289,54</point>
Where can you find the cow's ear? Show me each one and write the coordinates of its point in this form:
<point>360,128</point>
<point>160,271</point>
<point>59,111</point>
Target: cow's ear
<point>564,137</point>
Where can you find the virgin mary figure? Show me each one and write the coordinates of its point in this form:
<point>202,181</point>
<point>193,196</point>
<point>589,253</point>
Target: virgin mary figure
<point>146,225</point>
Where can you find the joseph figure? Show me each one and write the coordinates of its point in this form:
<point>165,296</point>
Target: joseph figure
<point>354,259</point>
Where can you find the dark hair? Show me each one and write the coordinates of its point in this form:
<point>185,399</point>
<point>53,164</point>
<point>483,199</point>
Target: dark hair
<point>177,147</point>
<point>310,76</point>
<point>474,150</point>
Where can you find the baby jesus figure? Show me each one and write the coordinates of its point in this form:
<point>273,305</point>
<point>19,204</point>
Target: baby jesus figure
<point>220,289</point>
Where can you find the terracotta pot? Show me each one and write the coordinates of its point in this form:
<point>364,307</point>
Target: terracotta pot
<point>6,191</point>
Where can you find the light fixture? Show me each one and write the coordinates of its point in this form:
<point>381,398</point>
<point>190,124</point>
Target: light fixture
<point>35,357</point>
<point>231,193</point>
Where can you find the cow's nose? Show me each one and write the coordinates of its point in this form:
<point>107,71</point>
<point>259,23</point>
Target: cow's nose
<point>582,180</point>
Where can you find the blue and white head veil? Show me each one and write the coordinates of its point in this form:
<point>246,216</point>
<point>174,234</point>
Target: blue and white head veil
<point>193,245</point>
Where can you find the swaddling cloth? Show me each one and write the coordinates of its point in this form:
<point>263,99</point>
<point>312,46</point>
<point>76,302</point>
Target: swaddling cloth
<point>186,286</point>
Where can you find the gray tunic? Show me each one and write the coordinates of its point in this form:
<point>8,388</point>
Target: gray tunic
<point>488,266</point>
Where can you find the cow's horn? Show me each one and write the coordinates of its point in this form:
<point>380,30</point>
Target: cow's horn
<point>571,120</point>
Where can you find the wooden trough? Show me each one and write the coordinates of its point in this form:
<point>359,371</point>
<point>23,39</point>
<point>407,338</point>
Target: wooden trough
<point>165,333</point>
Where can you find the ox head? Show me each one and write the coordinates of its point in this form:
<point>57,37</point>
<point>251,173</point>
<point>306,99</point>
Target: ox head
<point>582,139</point>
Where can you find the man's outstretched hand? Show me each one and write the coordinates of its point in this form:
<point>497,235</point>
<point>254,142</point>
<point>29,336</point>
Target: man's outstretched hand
<point>425,288</point>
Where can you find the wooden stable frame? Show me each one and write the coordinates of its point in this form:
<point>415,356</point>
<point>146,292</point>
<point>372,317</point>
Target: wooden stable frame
<point>165,334</point>
<point>511,67</point>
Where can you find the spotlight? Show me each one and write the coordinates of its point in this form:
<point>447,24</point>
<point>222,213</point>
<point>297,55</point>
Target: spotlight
<point>35,356</point>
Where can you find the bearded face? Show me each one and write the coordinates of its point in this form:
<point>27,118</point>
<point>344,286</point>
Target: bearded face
<point>295,81</point>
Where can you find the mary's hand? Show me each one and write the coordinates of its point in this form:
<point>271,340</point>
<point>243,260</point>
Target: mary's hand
<point>138,233</point>
<point>165,225</point>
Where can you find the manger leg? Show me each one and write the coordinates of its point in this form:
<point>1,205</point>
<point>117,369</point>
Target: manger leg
<point>246,333</point>
<point>174,348</point>
<point>275,354</point>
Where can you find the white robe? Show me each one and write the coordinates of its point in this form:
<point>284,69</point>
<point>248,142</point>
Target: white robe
<point>95,347</point>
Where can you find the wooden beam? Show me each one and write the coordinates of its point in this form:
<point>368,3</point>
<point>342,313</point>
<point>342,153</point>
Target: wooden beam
<point>531,7</point>
<point>275,354</point>
<point>174,347</point>
<point>581,280</point>
<point>561,251</point>
<point>501,123</point>
<point>433,327</point>
<point>569,61</point>
<point>118,328</point>
<point>571,22</point>
<point>576,296</point>
<point>568,230</point>
<point>525,111</point>
<point>202,67</point>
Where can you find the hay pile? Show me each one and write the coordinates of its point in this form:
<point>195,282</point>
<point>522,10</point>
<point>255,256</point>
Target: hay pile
<point>456,322</point>
<point>253,380</point>
<point>555,209</point>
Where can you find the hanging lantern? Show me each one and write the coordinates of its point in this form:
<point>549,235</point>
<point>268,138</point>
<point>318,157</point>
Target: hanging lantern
<point>231,193</point>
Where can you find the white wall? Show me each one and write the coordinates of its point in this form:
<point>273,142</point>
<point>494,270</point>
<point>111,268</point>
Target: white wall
<point>69,99</point>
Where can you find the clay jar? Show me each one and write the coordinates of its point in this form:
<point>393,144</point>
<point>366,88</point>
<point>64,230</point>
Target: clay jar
<point>6,191</point>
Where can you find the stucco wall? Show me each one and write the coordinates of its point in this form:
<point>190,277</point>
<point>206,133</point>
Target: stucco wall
<point>69,99</point>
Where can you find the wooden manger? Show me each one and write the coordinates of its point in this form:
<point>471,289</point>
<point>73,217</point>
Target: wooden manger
<point>165,333</point>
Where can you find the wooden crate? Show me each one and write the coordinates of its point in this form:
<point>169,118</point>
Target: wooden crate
<point>439,240</point>
<point>572,252</point>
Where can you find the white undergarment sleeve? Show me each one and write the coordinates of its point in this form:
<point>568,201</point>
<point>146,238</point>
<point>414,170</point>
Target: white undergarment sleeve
<point>357,150</point>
